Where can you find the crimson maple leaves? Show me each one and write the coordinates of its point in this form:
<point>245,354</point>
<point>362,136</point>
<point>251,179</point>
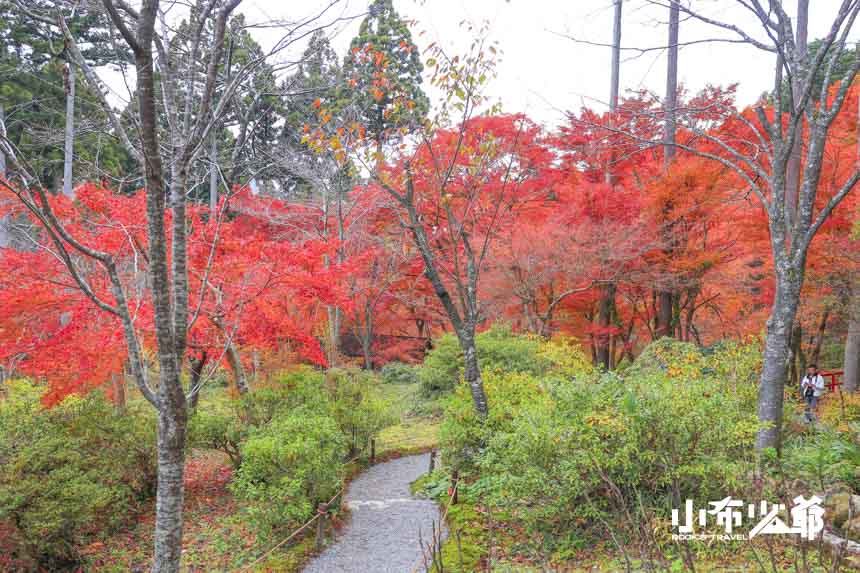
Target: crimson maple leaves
<point>530,214</point>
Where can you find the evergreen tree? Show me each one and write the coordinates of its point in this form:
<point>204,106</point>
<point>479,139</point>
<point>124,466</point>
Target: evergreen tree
<point>33,95</point>
<point>316,85</point>
<point>383,75</point>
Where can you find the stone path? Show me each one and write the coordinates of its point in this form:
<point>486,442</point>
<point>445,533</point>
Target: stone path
<point>383,534</point>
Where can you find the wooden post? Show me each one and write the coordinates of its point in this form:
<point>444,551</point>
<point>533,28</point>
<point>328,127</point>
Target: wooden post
<point>432,462</point>
<point>372,450</point>
<point>455,479</point>
<point>321,511</point>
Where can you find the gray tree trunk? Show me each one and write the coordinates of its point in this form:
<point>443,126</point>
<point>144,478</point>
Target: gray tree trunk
<point>665,297</point>
<point>69,155</point>
<point>851,359</point>
<point>172,412</point>
<point>367,338</point>
<point>213,176</point>
<point>472,370</point>
<point>5,235</point>
<point>607,301</point>
<point>851,364</point>
<point>792,186</point>
<point>2,155</point>
<point>235,361</point>
<point>776,356</point>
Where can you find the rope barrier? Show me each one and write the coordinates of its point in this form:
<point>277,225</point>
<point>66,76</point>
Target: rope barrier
<point>319,513</point>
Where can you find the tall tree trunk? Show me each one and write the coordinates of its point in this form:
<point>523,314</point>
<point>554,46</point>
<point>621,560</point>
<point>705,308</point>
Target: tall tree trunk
<point>851,363</point>
<point>795,354</point>
<point>5,235</point>
<point>851,358</point>
<point>776,354</point>
<point>213,176</point>
<point>2,155</point>
<point>172,412</point>
<point>69,156</point>
<point>665,297</point>
<point>605,311</point>
<point>367,338</point>
<point>819,337</point>
<point>792,185</point>
<point>607,298</point>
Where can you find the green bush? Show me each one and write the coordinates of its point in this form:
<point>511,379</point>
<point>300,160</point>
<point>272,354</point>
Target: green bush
<point>824,459</point>
<point>399,373</point>
<point>350,397</point>
<point>357,407</point>
<point>501,350</point>
<point>72,472</point>
<point>559,453</point>
<point>288,467</point>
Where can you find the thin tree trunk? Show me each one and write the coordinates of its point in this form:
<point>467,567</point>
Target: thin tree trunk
<point>606,308</point>
<point>213,176</point>
<point>68,187</point>
<point>665,298</point>
<point>472,370</point>
<point>851,363</point>
<point>235,362</point>
<point>194,386</point>
<point>607,299</point>
<point>792,185</point>
<point>851,358</point>
<point>172,412</point>
<point>118,391</point>
<point>819,337</point>
<point>2,155</point>
<point>5,235</point>
<point>367,338</point>
<point>616,57</point>
<point>795,354</point>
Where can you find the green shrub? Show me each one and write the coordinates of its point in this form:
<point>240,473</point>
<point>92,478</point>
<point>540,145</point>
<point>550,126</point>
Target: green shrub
<point>399,373</point>
<point>224,426</point>
<point>350,397</point>
<point>499,349</point>
<point>288,467</point>
<point>357,406</point>
<point>824,459</point>
<point>559,453</point>
<point>218,429</point>
<point>72,472</point>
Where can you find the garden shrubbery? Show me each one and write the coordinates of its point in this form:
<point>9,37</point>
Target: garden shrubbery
<point>499,350</point>
<point>558,453</point>
<point>399,373</point>
<point>289,439</point>
<point>288,467</point>
<point>70,473</point>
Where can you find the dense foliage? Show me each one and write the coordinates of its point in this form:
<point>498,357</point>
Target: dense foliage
<point>558,453</point>
<point>69,474</point>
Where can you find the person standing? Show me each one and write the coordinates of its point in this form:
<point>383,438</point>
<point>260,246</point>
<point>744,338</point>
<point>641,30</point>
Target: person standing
<point>812,388</point>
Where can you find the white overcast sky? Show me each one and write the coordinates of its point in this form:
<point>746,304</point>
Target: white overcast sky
<point>543,73</point>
